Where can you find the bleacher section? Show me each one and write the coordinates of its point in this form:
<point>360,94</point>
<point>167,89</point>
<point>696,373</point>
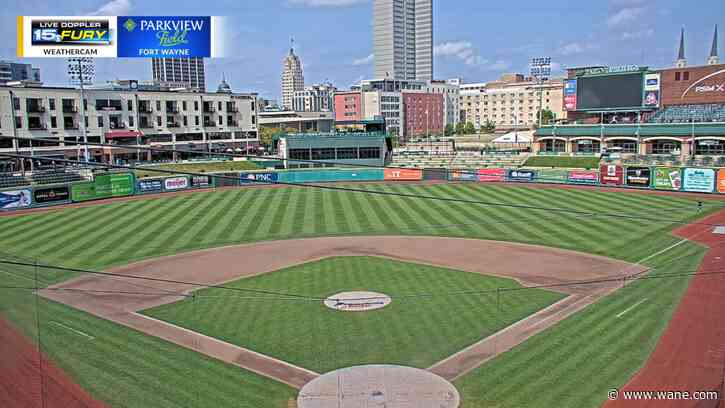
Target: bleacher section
<point>42,177</point>
<point>688,113</point>
<point>8,180</point>
<point>673,161</point>
<point>457,160</point>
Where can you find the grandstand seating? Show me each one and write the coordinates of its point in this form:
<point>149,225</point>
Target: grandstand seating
<point>8,180</point>
<point>39,177</point>
<point>688,113</point>
<point>457,160</point>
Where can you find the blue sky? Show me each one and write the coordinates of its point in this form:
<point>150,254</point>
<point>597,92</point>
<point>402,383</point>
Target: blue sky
<point>476,40</point>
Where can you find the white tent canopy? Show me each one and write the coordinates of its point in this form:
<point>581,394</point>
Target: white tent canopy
<point>521,136</point>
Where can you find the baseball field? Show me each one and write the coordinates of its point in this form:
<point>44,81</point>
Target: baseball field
<point>216,297</point>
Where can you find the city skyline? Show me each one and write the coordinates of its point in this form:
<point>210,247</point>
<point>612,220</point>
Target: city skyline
<point>472,41</point>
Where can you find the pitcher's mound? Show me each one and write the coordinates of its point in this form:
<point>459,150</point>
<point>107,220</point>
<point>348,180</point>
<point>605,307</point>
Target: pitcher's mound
<point>357,301</point>
<point>380,386</point>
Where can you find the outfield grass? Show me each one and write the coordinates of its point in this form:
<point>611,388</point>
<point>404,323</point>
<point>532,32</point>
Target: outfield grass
<point>415,332</point>
<point>205,167</point>
<point>575,362</point>
<point>572,162</point>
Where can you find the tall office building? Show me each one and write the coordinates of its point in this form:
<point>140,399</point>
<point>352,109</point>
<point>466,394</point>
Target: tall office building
<point>403,39</point>
<point>292,79</point>
<point>179,72</point>
<point>13,71</point>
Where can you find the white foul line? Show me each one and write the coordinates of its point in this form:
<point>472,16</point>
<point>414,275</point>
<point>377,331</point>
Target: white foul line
<point>631,307</point>
<point>73,330</point>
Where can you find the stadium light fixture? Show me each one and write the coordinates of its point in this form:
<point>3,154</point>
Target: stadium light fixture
<point>81,71</point>
<point>540,69</point>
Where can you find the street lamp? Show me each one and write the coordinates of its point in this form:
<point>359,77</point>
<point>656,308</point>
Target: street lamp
<point>541,71</point>
<point>81,71</point>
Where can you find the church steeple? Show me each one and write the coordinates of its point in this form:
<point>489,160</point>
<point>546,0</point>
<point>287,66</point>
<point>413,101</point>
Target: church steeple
<point>681,60</point>
<point>713,59</point>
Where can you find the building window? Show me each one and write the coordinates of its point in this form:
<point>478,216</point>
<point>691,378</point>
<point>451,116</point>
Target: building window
<point>129,105</point>
<point>18,122</point>
<point>186,121</point>
<point>51,104</point>
<point>183,105</point>
<point>346,153</point>
<point>158,106</point>
<point>196,120</point>
<point>323,154</point>
<point>196,106</point>
<point>85,122</point>
<point>686,76</point>
<point>16,103</point>
<point>221,119</point>
<point>666,147</point>
<point>625,146</point>
<point>369,152</point>
<point>130,121</point>
<point>100,121</point>
<point>710,148</point>
<point>677,76</point>
<point>299,154</point>
<point>53,121</point>
<point>219,107</point>
<point>158,121</point>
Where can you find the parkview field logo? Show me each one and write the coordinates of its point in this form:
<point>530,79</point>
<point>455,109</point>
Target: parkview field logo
<point>165,36</point>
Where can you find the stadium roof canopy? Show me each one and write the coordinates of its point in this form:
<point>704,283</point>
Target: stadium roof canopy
<point>521,136</point>
<point>644,130</point>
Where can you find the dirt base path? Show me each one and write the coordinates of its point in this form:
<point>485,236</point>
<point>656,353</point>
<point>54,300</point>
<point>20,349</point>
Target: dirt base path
<point>529,264</point>
<point>690,355</point>
<point>24,384</point>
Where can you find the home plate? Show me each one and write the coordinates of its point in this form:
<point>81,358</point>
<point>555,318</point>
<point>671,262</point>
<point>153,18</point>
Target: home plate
<point>379,386</point>
<point>719,230</point>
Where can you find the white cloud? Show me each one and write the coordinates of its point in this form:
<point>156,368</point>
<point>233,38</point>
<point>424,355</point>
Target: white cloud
<point>462,50</point>
<point>325,3</point>
<point>113,8</point>
<point>635,35</point>
<point>364,61</point>
<point>624,16</point>
<point>575,48</point>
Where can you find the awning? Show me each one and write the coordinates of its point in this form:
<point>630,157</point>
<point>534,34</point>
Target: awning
<point>114,134</point>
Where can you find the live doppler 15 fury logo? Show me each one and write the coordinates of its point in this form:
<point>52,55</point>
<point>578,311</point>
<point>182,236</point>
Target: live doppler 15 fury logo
<point>66,36</point>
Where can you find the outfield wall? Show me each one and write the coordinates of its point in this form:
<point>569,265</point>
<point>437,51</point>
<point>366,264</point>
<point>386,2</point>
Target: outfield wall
<point>682,179</point>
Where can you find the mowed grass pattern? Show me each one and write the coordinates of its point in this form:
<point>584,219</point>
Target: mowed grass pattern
<point>426,322</point>
<point>575,362</point>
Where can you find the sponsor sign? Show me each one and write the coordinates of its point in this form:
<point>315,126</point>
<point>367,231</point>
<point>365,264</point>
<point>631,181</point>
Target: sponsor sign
<point>15,199</point>
<point>258,178</point>
<point>608,70</point>
<point>638,176</point>
<point>698,180</point>
<point>164,36</point>
<point>403,174</point>
<point>652,82</point>
<point>51,195</point>
<point>463,175</point>
<point>651,98</point>
<point>149,186</point>
<point>552,176</point>
<point>721,181</point>
<point>66,36</point>
<point>583,177</point>
<point>667,178</point>
<point>104,186</point>
<point>570,94</point>
<point>227,180</point>
<point>611,174</point>
<point>200,181</point>
<point>521,175</point>
<point>489,175</point>
<point>176,183</point>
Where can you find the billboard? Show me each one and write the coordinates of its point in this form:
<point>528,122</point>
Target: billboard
<point>13,199</point>
<point>66,36</point>
<point>570,94</point>
<point>610,91</point>
<point>164,36</point>
<point>552,176</point>
<point>698,180</point>
<point>176,183</point>
<point>638,176</point>
<point>403,174</point>
<point>435,174</point>
<point>200,181</point>
<point>652,90</point>
<point>491,175</point>
<point>258,178</point>
<point>226,180</point>
<point>521,175</point>
<point>583,177</point>
<point>611,174</point>
<point>149,186</point>
<point>667,178</point>
<point>104,186</point>
<point>51,195</point>
<point>462,175</point>
<point>721,181</point>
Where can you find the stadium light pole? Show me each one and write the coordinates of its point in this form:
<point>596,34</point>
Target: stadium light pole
<point>540,69</point>
<point>81,71</point>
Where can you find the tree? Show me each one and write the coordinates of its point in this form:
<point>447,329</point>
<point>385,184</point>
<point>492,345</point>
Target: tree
<point>469,129</point>
<point>546,116</point>
<point>266,134</point>
<point>394,139</point>
<point>449,130</point>
<point>460,128</point>
<point>489,127</point>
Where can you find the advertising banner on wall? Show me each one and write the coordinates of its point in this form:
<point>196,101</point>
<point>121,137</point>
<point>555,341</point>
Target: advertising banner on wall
<point>51,195</point>
<point>667,178</point>
<point>698,180</point>
<point>638,176</point>
<point>551,176</point>
<point>227,180</point>
<point>489,175</point>
<point>462,175</point>
<point>583,177</point>
<point>403,174</point>
<point>104,186</point>
<point>149,186</point>
<point>570,94</point>
<point>611,174</point>
<point>721,181</point>
<point>176,183</point>
<point>521,175</point>
<point>14,199</point>
<point>258,178</point>
<point>200,181</point>
<point>651,90</point>
<point>435,174</point>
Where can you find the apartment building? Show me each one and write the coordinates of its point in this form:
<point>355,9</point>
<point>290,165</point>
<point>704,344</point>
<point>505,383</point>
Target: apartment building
<point>125,118</point>
<point>314,98</point>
